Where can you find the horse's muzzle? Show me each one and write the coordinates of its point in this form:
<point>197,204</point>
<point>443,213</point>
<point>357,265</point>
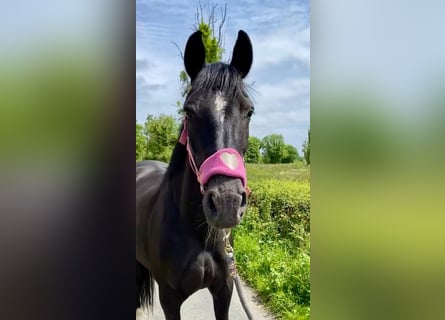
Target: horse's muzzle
<point>224,202</point>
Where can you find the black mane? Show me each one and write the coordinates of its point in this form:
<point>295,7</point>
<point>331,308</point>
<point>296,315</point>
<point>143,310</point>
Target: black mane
<point>218,76</point>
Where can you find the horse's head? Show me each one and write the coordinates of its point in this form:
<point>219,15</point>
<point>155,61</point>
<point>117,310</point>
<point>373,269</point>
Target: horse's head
<point>218,112</point>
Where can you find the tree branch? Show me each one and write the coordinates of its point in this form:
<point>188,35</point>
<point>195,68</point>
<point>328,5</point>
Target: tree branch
<point>179,49</point>
<point>223,19</point>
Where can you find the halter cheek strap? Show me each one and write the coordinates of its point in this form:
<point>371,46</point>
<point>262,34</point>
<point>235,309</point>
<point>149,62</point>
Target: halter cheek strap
<point>227,162</point>
<point>183,139</point>
<point>184,136</point>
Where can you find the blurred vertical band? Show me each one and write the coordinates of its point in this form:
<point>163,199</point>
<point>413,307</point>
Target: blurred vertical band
<point>67,110</point>
<point>377,189</point>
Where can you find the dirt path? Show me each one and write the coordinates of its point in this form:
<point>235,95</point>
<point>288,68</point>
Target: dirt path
<point>199,306</point>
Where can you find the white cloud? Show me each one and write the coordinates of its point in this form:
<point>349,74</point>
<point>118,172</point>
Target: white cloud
<point>157,85</point>
<point>293,89</point>
<point>289,43</point>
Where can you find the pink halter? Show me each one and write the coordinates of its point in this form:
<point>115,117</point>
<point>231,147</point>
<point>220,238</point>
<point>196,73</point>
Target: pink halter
<point>227,162</point>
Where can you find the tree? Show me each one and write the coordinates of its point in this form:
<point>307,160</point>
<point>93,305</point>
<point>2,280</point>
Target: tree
<point>213,43</point>
<point>141,142</point>
<point>162,133</point>
<point>273,148</point>
<point>253,150</point>
<point>290,154</point>
<point>307,148</point>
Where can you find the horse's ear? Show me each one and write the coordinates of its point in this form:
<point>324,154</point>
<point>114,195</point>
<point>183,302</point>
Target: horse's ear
<point>195,55</point>
<point>242,56</point>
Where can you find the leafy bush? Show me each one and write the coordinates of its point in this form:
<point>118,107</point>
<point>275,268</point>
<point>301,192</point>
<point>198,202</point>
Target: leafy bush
<point>286,205</point>
<point>156,138</point>
<point>274,150</point>
<point>272,246</point>
<point>272,147</point>
<point>290,154</point>
<point>141,142</point>
<point>253,154</point>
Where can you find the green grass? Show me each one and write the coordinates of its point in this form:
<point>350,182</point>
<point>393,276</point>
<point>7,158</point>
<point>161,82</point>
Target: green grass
<point>278,272</point>
<point>272,245</point>
<point>291,171</point>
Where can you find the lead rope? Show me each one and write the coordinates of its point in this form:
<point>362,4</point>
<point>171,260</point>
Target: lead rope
<point>234,274</point>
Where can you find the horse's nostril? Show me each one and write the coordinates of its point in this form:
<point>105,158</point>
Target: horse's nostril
<point>243,199</point>
<point>212,199</point>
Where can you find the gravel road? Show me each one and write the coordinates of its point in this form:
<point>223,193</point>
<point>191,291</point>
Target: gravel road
<point>199,306</point>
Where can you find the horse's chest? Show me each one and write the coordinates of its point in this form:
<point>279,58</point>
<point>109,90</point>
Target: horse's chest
<point>202,272</point>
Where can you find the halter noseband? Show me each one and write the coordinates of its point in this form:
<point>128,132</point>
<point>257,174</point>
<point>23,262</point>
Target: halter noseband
<point>227,162</point>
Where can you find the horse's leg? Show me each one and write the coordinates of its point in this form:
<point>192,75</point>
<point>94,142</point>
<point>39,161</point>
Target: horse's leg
<point>171,301</point>
<point>141,275</point>
<point>221,298</point>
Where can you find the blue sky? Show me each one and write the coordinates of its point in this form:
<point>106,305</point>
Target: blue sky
<point>280,35</point>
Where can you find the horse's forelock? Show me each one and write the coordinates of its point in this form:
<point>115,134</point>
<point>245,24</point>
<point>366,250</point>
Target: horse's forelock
<point>218,77</point>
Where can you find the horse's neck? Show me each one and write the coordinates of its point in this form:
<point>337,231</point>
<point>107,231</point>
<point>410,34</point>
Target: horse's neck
<point>185,192</point>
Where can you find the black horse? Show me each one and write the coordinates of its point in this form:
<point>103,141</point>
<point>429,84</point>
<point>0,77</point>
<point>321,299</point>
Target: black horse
<point>183,210</point>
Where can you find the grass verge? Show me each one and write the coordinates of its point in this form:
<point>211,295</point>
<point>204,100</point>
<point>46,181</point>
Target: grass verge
<point>272,246</point>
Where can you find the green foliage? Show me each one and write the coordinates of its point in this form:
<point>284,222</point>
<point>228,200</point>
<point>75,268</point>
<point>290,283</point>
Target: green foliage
<point>281,276</point>
<point>253,154</point>
<point>307,148</point>
<point>213,50</point>
<point>141,142</point>
<point>290,154</point>
<point>162,134</point>
<point>285,202</point>
<point>272,246</point>
<point>273,148</point>
<point>185,83</point>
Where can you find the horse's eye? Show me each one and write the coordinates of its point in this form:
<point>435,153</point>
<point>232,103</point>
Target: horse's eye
<point>250,112</point>
<point>189,112</point>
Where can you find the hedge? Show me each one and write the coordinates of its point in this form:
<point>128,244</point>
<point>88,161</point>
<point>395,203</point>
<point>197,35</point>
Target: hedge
<point>272,246</point>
